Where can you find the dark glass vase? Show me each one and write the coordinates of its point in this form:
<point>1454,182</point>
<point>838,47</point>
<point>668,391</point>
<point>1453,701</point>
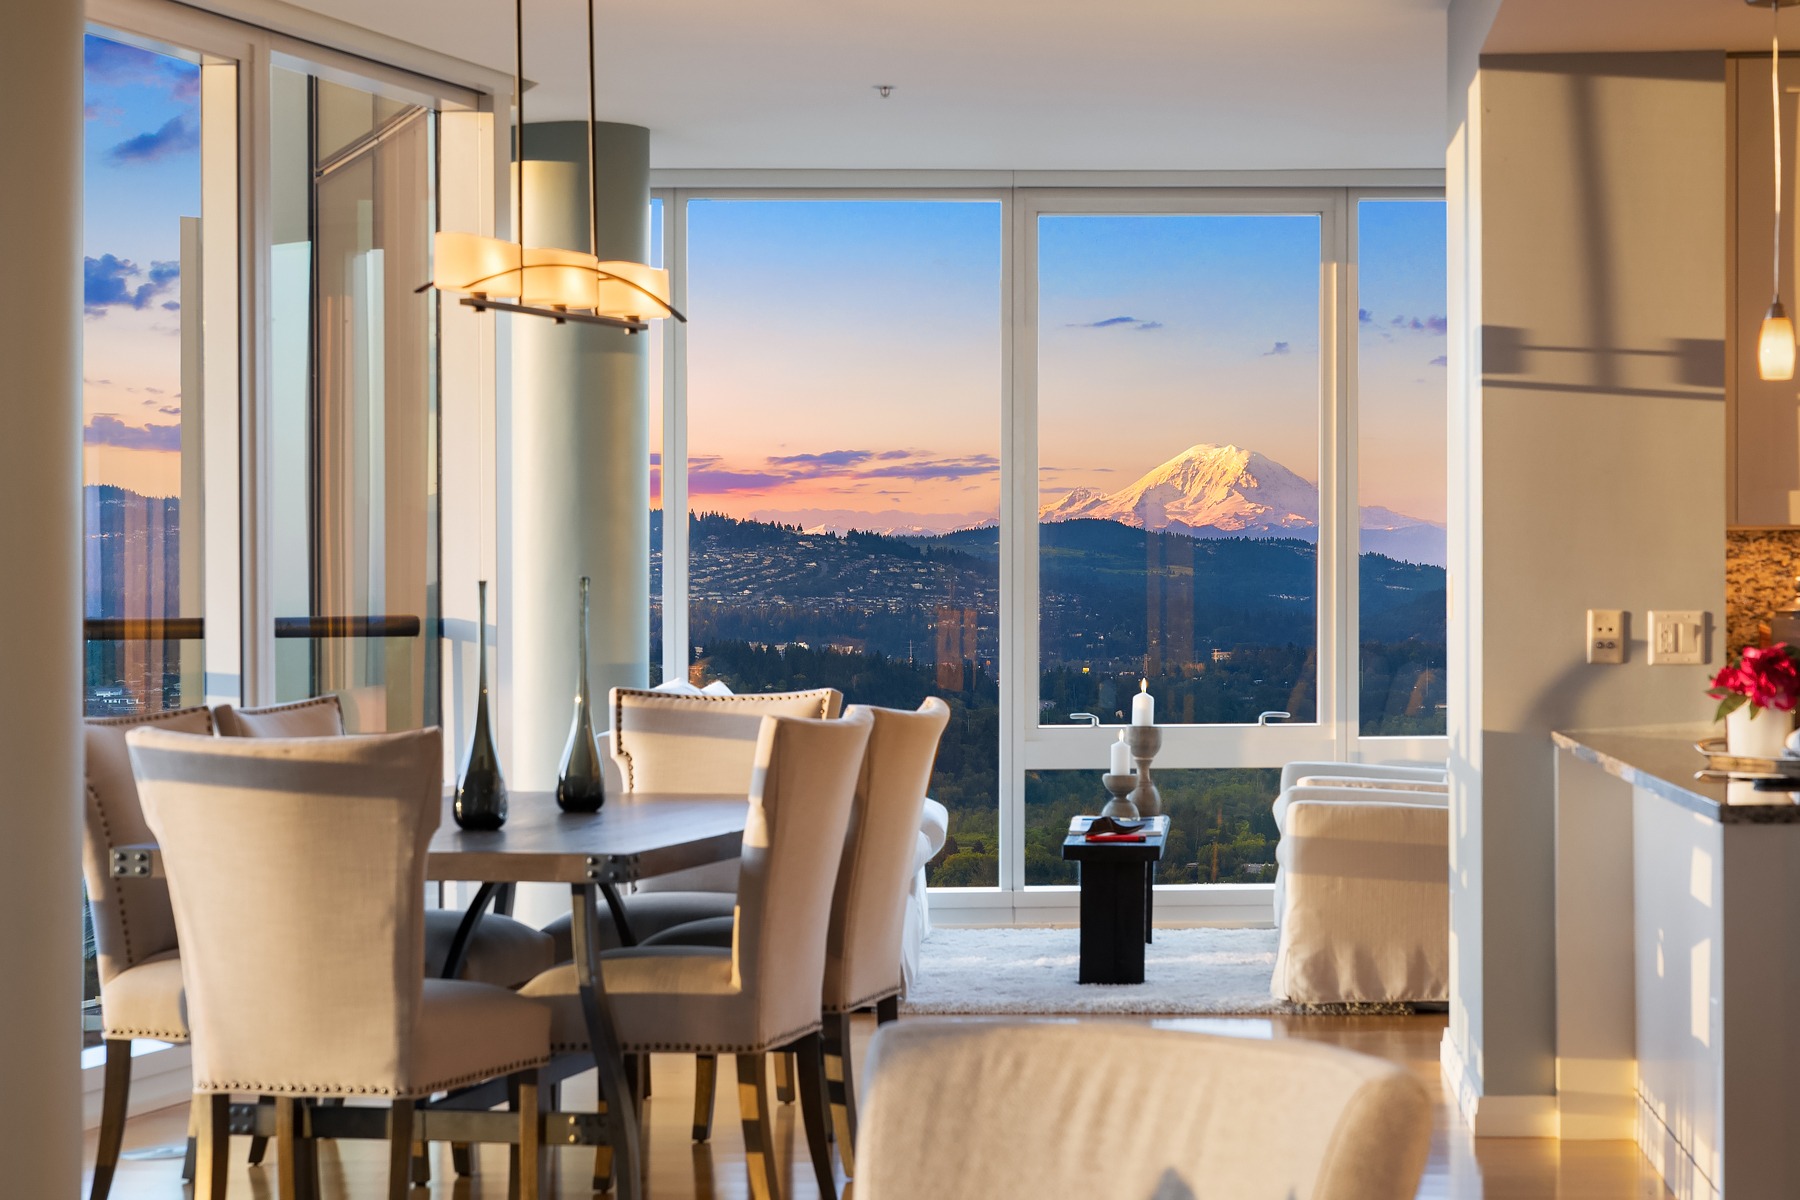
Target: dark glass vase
<point>481,793</point>
<point>580,787</point>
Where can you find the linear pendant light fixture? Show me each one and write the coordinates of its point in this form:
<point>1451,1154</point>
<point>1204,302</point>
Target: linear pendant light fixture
<point>563,285</point>
<point>1775,343</point>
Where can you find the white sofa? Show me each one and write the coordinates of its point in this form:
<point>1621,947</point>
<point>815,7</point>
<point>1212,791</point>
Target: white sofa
<point>1362,897</point>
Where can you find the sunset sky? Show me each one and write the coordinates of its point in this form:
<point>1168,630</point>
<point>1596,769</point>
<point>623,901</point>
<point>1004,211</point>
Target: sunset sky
<point>142,159</point>
<point>844,357</point>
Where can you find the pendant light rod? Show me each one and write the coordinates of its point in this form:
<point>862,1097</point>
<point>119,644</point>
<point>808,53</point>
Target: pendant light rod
<point>1775,108</point>
<point>593,175</point>
<point>1775,346</point>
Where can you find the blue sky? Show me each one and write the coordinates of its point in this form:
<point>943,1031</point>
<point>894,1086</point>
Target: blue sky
<point>142,162</point>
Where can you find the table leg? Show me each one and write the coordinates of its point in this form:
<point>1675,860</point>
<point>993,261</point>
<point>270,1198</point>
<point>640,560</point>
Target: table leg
<point>616,907</point>
<point>1112,922</point>
<point>459,945</point>
<point>609,1064</point>
<point>1149,902</point>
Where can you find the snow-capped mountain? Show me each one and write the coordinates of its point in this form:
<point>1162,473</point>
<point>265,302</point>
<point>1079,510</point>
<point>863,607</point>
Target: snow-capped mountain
<point>1227,491</point>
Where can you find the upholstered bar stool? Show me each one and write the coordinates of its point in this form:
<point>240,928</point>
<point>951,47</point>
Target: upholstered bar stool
<point>685,745</point>
<point>134,927</point>
<point>1100,1109</point>
<point>283,1003</point>
<point>500,950</point>
<point>762,994</point>
<point>863,948</point>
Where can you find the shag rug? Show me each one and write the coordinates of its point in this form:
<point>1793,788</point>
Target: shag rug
<point>1033,969</point>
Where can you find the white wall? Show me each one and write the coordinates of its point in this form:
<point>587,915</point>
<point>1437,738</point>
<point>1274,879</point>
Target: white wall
<point>1588,449</point>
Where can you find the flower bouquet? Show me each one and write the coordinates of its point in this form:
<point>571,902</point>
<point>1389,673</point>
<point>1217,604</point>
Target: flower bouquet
<point>1757,693</point>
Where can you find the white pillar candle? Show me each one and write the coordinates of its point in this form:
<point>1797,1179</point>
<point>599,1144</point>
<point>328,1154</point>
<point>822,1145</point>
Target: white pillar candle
<point>1143,705</point>
<point>1121,756</point>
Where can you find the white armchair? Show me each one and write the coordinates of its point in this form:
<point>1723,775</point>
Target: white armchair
<point>934,830</point>
<point>1362,895</point>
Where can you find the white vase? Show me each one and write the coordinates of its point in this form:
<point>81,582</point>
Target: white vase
<point>1757,733</point>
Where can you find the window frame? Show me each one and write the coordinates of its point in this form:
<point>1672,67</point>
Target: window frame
<point>1024,744</point>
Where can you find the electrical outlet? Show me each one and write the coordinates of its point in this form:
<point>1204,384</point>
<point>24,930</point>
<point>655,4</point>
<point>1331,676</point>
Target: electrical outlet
<point>1606,635</point>
<point>1677,637</point>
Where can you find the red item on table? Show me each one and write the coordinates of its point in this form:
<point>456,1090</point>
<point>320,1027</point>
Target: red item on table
<point>1115,837</point>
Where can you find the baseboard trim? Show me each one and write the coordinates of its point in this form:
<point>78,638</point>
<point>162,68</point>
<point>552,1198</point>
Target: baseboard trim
<point>160,1078</point>
<point>1494,1116</point>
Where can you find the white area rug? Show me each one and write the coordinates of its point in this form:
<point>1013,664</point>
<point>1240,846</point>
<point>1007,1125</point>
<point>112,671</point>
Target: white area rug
<point>1032,970</point>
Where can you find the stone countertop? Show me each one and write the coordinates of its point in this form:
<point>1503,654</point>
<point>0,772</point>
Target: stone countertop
<point>1662,759</point>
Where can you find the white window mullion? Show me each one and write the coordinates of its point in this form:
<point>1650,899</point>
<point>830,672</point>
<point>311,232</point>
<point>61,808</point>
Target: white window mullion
<point>675,446</point>
<point>1018,524</point>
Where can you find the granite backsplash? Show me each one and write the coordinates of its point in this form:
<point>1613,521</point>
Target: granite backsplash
<point>1760,568</point>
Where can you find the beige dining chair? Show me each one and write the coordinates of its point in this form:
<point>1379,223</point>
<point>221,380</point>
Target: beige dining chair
<point>500,950</point>
<point>762,994</point>
<point>863,948</point>
<point>675,744</point>
<point>138,960</point>
<point>283,1003</point>
<point>1099,1108</point>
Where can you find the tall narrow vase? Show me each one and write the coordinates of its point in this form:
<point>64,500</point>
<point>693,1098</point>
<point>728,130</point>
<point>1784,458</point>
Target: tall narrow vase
<point>579,786</point>
<point>481,793</point>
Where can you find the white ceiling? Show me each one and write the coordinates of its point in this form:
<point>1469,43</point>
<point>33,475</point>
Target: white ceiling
<point>1565,26</point>
<point>983,84</point>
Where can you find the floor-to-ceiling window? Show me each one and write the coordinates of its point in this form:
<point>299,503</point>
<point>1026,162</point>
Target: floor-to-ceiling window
<point>1213,466</point>
<point>843,468</point>
<point>1400,382</point>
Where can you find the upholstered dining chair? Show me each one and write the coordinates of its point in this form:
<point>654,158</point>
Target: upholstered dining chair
<point>1157,1113</point>
<point>760,995</point>
<point>673,743</point>
<point>134,928</point>
<point>863,947</point>
<point>500,950</point>
<point>284,1004</point>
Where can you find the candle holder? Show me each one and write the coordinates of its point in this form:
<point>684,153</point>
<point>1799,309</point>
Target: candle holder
<point>1120,786</point>
<point>1145,741</point>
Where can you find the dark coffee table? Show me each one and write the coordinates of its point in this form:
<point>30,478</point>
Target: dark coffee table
<point>1117,889</point>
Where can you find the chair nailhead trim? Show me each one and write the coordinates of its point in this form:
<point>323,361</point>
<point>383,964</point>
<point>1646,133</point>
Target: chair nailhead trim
<point>630,1047</point>
<point>328,1089</point>
<point>867,1000</point>
<point>161,1035</point>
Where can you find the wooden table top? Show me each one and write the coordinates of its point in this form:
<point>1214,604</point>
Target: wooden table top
<point>633,836</point>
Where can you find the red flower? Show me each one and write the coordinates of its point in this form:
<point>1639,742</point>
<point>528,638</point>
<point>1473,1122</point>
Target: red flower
<point>1766,676</point>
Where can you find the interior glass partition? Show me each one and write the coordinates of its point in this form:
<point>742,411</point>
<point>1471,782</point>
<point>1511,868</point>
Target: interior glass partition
<point>354,465</point>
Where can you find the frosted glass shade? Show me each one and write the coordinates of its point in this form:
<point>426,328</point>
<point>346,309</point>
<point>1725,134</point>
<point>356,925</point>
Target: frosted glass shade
<point>1775,347</point>
<point>617,298</point>
<point>558,278</point>
<point>476,265</point>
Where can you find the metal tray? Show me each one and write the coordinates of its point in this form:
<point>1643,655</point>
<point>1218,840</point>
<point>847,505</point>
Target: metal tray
<point>1738,767</point>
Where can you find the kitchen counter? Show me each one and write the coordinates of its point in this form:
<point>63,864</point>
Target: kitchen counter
<point>1662,760</point>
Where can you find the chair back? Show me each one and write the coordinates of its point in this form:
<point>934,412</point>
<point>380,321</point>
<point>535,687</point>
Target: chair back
<point>868,910</point>
<point>1156,1113</point>
<point>297,871</point>
<point>132,917</point>
<point>800,800</point>
<point>699,745</point>
<point>321,716</point>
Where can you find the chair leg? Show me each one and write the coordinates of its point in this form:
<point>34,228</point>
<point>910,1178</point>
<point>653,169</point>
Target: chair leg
<point>840,1085</point>
<point>759,1141</point>
<point>525,1168</point>
<point>212,1160</point>
<point>784,1077</point>
<point>113,1102</point>
<point>887,1009</point>
<point>815,1110</point>
<point>400,1149</point>
<point>706,1085</point>
<point>187,1160</point>
<point>290,1159</point>
<point>259,1145</point>
<point>421,1164</point>
<point>461,1160</point>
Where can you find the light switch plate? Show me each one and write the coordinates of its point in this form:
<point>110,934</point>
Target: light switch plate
<point>1677,637</point>
<point>1606,635</point>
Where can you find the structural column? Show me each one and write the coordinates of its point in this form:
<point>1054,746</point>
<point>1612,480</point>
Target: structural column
<point>40,601</point>
<point>580,454</point>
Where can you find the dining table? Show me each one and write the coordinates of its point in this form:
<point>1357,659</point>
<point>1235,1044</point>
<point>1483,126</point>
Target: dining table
<point>632,837</point>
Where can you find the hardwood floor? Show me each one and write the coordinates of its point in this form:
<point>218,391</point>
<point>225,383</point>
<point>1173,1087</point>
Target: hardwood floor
<point>1460,1167</point>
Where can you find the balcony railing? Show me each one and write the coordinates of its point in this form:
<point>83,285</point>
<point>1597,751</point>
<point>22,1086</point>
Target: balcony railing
<point>193,629</point>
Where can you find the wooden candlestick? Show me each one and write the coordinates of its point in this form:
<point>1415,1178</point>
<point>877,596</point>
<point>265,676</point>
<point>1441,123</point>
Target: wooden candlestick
<point>1145,741</point>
